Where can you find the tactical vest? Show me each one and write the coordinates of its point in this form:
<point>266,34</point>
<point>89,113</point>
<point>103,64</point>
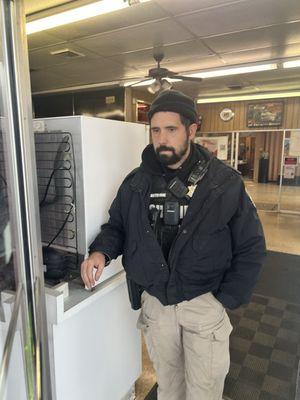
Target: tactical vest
<point>169,203</point>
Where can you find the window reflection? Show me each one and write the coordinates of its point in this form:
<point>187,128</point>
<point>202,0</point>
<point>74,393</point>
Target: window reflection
<point>7,279</point>
<point>6,264</point>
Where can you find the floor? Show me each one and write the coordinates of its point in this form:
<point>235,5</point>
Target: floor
<point>266,196</point>
<point>282,234</point>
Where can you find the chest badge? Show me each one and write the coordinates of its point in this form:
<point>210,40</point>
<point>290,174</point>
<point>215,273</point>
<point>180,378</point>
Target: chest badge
<point>191,188</point>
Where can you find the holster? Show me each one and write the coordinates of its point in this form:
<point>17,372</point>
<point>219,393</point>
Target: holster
<point>134,292</point>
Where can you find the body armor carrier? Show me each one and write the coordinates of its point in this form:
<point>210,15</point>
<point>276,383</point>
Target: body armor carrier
<point>169,203</point>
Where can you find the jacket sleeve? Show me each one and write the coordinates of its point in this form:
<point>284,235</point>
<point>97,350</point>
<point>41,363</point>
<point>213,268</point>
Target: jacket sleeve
<point>110,240</point>
<point>248,253</point>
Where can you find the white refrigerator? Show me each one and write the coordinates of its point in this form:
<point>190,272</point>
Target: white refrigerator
<point>95,347</point>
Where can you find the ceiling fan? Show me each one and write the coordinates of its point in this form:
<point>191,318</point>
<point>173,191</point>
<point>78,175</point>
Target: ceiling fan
<point>163,77</point>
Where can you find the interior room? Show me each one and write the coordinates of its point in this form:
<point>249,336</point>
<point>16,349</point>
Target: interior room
<point>73,70</point>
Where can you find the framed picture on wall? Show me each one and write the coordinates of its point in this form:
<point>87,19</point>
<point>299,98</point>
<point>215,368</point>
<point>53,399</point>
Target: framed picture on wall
<point>265,114</point>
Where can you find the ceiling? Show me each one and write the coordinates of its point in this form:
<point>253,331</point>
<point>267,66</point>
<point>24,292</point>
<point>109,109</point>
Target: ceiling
<point>193,34</point>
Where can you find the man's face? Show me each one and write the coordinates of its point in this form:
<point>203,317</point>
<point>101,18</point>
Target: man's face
<point>171,139</point>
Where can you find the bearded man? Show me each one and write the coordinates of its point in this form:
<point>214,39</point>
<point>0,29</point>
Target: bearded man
<point>192,246</point>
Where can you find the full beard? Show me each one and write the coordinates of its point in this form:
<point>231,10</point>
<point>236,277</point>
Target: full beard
<point>173,157</point>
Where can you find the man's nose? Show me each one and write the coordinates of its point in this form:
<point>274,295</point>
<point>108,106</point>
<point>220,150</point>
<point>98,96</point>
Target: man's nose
<point>163,138</point>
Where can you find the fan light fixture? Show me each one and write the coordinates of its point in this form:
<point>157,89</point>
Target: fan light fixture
<point>79,14</point>
<point>154,87</point>
<point>159,84</point>
<point>166,85</point>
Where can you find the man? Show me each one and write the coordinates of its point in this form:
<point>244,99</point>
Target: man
<point>192,242</point>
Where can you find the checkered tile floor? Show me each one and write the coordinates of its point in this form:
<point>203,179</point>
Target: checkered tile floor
<point>265,350</point>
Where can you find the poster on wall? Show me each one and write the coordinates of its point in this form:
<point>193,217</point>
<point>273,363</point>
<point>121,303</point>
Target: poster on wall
<point>289,171</point>
<point>294,144</point>
<point>217,145</point>
<point>265,114</point>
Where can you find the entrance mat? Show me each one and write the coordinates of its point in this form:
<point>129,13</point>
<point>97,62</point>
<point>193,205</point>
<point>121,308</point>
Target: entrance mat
<point>264,351</point>
<point>265,341</point>
<point>152,395</point>
<point>280,277</point>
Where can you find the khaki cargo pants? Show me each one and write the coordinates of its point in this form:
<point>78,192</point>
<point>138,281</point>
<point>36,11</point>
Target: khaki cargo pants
<point>188,344</point>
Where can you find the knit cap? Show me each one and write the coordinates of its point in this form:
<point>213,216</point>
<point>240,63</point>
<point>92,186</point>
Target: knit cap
<point>175,101</point>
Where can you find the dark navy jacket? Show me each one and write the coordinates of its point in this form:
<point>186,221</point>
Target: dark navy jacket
<point>220,245</point>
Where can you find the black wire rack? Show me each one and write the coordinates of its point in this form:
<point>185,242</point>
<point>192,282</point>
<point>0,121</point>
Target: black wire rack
<point>57,189</point>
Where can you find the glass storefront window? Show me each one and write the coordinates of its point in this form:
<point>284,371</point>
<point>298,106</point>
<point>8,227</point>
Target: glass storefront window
<point>290,172</point>
<point>7,279</point>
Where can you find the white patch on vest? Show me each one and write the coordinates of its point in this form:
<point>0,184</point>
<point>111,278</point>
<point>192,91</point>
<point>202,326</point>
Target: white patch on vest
<point>157,195</point>
<point>182,210</point>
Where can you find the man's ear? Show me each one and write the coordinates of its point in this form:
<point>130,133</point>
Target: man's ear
<point>192,131</point>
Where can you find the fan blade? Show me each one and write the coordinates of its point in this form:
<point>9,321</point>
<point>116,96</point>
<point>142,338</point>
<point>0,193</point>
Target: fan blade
<point>141,82</point>
<point>186,78</point>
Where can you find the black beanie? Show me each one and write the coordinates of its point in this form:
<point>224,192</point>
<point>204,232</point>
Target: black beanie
<point>172,100</point>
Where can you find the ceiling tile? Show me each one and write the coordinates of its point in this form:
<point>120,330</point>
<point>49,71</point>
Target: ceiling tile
<point>241,16</point>
<point>137,14</point>
<point>263,54</point>
<point>119,45</point>
<point>182,7</point>
<point>172,54</point>
<point>42,39</point>
<point>47,80</point>
<point>33,6</point>
<point>257,38</point>
<point>195,64</point>
<point>98,71</point>
<point>144,36</point>
<point>43,58</point>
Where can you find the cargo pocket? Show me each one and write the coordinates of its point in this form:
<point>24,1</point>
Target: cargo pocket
<point>220,349</point>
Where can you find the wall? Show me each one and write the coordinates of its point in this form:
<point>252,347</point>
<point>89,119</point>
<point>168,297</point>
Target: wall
<point>131,97</point>
<point>211,120</point>
<point>94,103</point>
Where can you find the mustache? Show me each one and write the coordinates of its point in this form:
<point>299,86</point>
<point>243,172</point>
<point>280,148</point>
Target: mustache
<point>165,148</point>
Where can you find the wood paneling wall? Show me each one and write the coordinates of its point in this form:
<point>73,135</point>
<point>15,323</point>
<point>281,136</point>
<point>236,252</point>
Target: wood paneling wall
<point>131,96</point>
<point>211,121</point>
<point>270,142</point>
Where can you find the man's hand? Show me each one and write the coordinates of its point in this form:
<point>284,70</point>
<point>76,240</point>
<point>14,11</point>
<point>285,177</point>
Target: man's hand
<point>96,260</point>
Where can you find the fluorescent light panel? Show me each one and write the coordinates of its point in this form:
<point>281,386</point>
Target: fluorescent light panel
<point>249,97</point>
<point>76,14</point>
<point>234,71</point>
<point>291,64</point>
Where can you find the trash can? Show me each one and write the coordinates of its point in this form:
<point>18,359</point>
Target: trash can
<point>263,170</point>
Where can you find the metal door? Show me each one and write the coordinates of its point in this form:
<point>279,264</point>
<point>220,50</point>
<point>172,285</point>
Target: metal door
<point>24,369</point>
